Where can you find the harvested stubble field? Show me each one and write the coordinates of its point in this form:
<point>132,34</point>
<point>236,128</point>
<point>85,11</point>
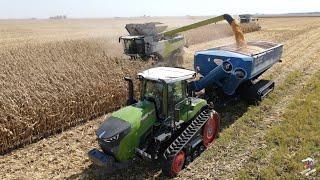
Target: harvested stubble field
<point>63,75</point>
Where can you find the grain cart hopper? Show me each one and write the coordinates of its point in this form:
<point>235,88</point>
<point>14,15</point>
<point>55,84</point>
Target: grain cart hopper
<point>150,40</point>
<point>169,124</point>
<point>232,71</point>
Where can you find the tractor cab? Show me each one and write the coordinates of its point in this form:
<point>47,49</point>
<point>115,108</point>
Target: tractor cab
<point>167,89</point>
<point>134,46</point>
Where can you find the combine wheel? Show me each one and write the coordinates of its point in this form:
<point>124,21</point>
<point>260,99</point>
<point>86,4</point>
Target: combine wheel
<point>174,166</point>
<point>210,130</point>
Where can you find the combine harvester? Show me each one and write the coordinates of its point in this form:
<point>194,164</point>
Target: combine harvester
<point>249,23</point>
<point>170,124</point>
<point>150,41</point>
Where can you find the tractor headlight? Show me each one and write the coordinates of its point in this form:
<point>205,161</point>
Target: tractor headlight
<point>113,138</point>
<point>110,134</point>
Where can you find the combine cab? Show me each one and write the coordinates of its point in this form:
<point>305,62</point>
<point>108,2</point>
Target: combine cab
<point>134,46</point>
<point>147,41</point>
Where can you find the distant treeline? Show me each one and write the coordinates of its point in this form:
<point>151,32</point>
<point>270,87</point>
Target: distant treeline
<point>311,14</point>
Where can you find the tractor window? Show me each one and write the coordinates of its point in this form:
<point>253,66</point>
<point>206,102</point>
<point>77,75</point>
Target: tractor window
<point>153,89</point>
<point>176,93</point>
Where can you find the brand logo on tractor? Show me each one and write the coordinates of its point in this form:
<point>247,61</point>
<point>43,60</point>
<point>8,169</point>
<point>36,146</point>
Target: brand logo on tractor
<point>218,61</point>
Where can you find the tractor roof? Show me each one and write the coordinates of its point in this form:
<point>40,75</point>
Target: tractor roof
<point>168,74</point>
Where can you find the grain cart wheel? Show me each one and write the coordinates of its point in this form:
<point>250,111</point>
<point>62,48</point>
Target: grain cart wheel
<point>175,165</point>
<point>211,130</point>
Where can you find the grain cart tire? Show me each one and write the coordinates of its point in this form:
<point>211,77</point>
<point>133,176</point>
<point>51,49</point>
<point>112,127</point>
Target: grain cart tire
<point>174,166</point>
<point>211,130</point>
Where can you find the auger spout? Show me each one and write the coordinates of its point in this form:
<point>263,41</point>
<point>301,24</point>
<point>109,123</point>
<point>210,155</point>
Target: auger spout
<point>215,76</point>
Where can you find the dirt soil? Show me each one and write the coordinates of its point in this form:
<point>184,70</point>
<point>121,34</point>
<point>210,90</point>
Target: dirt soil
<point>65,155</point>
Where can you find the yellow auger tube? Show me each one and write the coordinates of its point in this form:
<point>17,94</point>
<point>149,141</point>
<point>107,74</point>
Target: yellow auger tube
<point>235,27</point>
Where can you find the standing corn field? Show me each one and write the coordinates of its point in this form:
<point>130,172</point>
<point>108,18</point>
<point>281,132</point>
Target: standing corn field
<point>49,87</point>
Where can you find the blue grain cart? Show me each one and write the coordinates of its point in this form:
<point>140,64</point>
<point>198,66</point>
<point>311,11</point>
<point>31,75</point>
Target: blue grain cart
<point>233,71</point>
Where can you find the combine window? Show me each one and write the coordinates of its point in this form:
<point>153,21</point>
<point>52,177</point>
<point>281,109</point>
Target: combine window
<point>134,46</point>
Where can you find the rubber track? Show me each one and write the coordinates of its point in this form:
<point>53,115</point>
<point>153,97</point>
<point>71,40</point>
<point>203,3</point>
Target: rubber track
<point>196,125</point>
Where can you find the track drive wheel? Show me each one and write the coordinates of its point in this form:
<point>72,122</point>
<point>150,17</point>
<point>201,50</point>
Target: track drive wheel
<point>211,130</point>
<point>172,167</point>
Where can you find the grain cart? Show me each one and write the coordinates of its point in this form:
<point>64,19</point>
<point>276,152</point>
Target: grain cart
<point>170,124</point>
<point>150,40</point>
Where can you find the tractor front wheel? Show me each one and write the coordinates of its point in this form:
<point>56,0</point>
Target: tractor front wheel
<point>174,166</point>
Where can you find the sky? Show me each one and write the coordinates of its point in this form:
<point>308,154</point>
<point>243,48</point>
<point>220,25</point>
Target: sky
<point>18,9</point>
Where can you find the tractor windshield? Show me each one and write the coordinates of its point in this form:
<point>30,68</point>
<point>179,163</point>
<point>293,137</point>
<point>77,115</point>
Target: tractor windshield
<point>153,90</point>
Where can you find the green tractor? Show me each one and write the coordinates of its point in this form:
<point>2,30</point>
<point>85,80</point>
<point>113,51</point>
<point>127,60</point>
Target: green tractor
<point>167,125</point>
<point>172,123</point>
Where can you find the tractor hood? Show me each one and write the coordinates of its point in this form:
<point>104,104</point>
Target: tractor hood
<point>112,127</point>
<point>125,119</point>
<point>135,113</point>
<point>121,133</point>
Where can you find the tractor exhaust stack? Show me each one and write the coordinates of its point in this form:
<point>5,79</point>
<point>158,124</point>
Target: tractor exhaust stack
<point>131,99</point>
